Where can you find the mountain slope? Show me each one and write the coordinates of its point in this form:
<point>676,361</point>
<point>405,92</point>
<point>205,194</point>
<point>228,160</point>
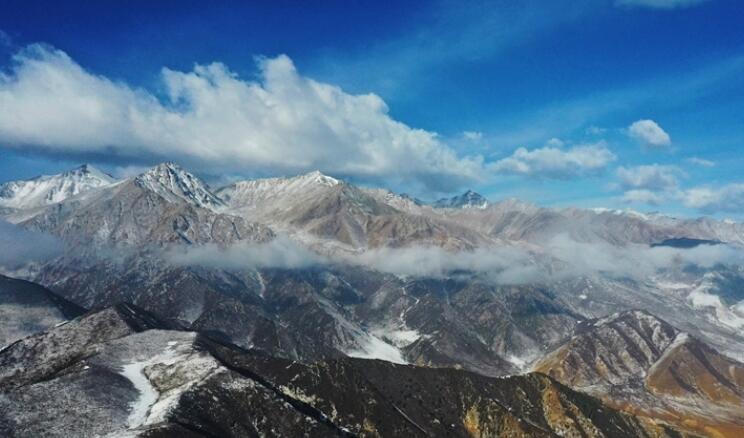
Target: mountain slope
<point>469,199</point>
<point>50,189</point>
<point>164,382</point>
<point>163,205</point>
<point>316,206</point>
<point>639,363</point>
<point>27,308</point>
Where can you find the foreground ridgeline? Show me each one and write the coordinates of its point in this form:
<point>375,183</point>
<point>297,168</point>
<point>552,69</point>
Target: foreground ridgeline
<point>120,371</point>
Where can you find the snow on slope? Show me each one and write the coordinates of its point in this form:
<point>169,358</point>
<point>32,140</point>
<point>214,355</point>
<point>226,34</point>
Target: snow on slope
<point>247,195</point>
<point>51,189</point>
<point>171,182</point>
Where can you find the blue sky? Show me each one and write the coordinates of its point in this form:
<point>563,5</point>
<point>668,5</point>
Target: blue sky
<point>622,104</point>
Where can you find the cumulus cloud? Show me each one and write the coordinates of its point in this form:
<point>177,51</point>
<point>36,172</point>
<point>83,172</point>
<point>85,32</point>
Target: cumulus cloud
<point>278,253</point>
<point>701,162</point>
<point>554,162</point>
<point>659,4</point>
<point>649,184</point>
<point>212,119</point>
<point>650,133</point>
<point>19,246</point>
<point>727,198</point>
<point>650,177</point>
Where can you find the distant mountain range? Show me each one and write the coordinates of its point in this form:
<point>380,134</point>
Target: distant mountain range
<point>246,278</point>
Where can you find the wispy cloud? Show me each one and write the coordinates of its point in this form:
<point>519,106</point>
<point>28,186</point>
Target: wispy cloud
<point>450,33</point>
<point>565,117</point>
<point>701,162</point>
<point>472,135</point>
<point>659,4</point>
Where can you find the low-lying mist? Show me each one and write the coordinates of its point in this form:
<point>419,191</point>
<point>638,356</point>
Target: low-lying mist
<point>19,246</point>
<point>559,258</point>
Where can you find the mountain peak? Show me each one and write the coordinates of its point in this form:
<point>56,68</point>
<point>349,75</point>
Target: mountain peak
<point>51,189</point>
<point>317,176</point>
<point>171,181</point>
<point>469,199</point>
<point>89,171</point>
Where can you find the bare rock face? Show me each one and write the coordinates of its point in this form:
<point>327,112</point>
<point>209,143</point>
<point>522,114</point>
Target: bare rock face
<point>636,362</point>
<point>162,382</point>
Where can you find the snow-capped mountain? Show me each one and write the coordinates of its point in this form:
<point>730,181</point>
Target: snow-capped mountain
<point>469,199</point>
<point>163,205</point>
<point>171,181</point>
<point>51,189</point>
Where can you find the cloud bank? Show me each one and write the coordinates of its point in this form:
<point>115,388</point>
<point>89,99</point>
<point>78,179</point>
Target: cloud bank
<point>211,119</point>
<point>559,258</point>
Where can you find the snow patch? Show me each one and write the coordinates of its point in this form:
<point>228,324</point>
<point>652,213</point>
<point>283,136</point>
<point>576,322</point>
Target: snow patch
<point>148,394</point>
<point>372,347</point>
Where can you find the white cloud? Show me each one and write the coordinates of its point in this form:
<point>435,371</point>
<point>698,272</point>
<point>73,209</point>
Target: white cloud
<point>554,162</point>
<point>727,198</point>
<point>504,264</point>
<point>643,196</point>
<point>659,4</point>
<point>473,135</point>
<point>650,133</point>
<point>213,120</point>
<point>649,184</point>
<point>650,177</point>
<point>701,162</point>
<point>518,265</point>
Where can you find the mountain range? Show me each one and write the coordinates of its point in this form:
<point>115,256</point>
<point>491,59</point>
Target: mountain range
<point>180,292</point>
